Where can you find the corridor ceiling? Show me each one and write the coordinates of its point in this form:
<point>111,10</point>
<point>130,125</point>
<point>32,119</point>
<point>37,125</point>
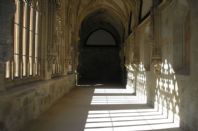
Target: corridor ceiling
<point>114,15</point>
<point>101,19</point>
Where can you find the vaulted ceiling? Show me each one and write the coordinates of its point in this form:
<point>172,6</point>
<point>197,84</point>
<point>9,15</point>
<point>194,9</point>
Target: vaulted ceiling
<point>114,12</point>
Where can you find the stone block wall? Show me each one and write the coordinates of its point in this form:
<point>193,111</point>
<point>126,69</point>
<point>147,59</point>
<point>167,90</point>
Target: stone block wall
<point>27,102</point>
<point>173,87</point>
<point>173,39</point>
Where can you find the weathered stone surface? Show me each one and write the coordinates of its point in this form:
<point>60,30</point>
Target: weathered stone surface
<point>22,105</point>
<point>183,96</point>
<point>154,52</point>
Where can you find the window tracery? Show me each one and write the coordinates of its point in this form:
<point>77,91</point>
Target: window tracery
<point>25,62</point>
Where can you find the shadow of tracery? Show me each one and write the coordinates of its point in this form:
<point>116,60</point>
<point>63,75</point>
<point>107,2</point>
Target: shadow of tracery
<point>167,99</point>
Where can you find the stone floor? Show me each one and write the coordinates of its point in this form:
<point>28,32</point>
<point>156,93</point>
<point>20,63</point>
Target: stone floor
<point>102,109</point>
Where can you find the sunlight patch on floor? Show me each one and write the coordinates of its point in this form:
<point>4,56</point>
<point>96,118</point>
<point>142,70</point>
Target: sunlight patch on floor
<point>128,120</point>
<point>111,100</point>
<point>113,91</point>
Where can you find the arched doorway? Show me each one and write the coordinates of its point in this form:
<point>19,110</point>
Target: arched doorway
<point>99,60</point>
<point>99,50</point>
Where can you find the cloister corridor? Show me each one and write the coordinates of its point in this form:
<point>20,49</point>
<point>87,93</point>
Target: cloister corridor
<point>106,108</point>
<point>98,65</point>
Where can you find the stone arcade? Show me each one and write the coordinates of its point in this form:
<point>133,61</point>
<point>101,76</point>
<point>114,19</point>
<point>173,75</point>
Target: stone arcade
<point>113,65</point>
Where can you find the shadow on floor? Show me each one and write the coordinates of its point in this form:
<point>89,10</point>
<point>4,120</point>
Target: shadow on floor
<point>102,109</point>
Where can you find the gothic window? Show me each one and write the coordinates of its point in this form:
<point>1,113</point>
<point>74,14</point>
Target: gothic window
<point>25,61</point>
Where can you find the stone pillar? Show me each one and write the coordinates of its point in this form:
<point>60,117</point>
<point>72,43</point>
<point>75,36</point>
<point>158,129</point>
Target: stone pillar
<point>7,10</point>
<point>156,25</point>
<point>66,52</point>
<point>77,52</point>
<point>73,49</point>
<point>136,46</point>
<point>45,71</point>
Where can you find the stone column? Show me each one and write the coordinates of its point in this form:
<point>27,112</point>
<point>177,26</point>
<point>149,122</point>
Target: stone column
<point>156,26</point>
<point>72,51</point>
<point>136,46</point>
<point>156,52</point>
<point>66,54</point>
<point>7,10</point>
<point>45,72</point>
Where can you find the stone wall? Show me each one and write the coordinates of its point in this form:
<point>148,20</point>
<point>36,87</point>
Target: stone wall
<point>173,37</point>
<point>27,102</point>
<point>189,83</point>
<point>144,40</point>
<point>172,84</point>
